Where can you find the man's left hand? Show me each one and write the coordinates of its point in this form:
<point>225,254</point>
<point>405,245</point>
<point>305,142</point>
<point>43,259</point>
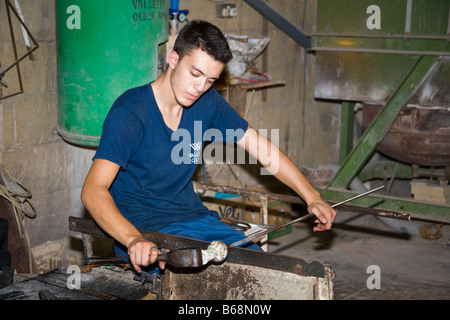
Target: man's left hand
<point>325,215</point>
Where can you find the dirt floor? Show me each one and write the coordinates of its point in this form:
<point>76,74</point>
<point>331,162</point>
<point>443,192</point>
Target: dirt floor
<point>363,251</point>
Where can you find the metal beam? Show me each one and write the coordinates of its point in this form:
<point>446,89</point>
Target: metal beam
<point>382,123</point>
<point>382,44</point>
<point>268,12</point>
<point>347,129</point>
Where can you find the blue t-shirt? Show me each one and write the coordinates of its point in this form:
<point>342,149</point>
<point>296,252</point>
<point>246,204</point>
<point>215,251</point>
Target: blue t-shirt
<point>153,187</point>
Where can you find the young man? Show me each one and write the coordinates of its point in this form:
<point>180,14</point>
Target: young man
<point>134,182</point>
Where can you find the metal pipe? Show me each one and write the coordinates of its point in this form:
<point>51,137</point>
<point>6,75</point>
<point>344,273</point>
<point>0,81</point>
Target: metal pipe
<point>268,12</point>
<point>409,6</point>
<point>356,197</point>
<point>298,200</point>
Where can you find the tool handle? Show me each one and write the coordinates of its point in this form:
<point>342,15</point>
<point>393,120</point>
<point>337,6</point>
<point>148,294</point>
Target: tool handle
<point>162,257</point>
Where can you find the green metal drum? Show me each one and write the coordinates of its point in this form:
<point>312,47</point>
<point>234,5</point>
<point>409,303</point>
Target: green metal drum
<point>104,47</point>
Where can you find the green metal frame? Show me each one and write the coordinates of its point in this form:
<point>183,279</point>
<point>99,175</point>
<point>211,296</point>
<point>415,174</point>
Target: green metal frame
<point>356,159</point>
<point>347,129</point>
<point>417,30</point>
<point>382,122</point>
<point>404,44</point>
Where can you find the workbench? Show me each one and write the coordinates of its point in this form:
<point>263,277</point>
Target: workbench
<point>244,275</point>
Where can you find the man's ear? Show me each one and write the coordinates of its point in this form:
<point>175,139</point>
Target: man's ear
<point>173,59</point>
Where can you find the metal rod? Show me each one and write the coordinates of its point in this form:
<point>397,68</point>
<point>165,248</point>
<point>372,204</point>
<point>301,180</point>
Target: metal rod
<point>297,200</point>
<point>356,197</point>
<point>409,6</point>
<point>112,258</point>
<point>268,12</point>
<point>260,234</point>
<point>9,7</point>
<point>310,215</point>
<point>249,193</point>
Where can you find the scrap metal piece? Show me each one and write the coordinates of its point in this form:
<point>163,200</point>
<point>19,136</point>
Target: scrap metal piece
<point>10,8</point>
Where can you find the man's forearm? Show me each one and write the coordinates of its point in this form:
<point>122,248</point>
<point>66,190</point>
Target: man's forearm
<point>104,211</point>
<point>278,164</point>
<point>291,176</point>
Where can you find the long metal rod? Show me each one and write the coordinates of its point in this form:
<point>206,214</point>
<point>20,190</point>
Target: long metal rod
<point>297,200</point>
<point>9,6</point>
<point>356,197</point>
<point>260,234</point>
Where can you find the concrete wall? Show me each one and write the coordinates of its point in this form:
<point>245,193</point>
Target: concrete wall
<point>54,170</point>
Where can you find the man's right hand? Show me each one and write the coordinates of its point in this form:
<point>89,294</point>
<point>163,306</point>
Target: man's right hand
<point>143,253</point>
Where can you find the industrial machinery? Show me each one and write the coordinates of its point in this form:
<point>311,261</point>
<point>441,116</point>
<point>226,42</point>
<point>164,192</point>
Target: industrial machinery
<point>391,59</point>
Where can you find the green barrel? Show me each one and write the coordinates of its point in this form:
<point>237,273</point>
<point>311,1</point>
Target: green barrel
<point>104,47</point>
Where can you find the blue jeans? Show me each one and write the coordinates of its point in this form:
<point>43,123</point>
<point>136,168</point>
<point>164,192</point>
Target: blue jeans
<point>207,228</point>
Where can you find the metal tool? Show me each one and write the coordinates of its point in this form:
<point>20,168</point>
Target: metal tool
<point>262,233</point>
<point>181,258</point>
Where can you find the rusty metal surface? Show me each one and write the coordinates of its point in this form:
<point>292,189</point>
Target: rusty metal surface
<point>420,136</point>
<point>230,281</point>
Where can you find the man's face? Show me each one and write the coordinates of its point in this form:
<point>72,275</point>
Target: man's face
<point>193,75</point>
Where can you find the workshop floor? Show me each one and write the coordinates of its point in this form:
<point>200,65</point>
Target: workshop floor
<point>410,267</point>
